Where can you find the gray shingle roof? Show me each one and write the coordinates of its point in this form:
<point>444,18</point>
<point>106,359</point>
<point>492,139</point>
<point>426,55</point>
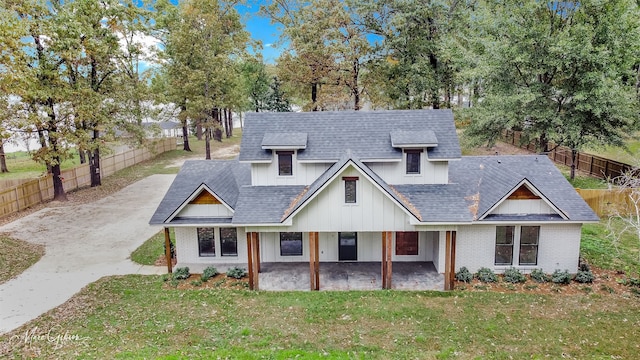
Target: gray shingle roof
<point>366,133</point>
<point>284,140</point>
<point>402,139</point>
<point>224,178</point>
<point>264,204</point>
<point>487,179</point>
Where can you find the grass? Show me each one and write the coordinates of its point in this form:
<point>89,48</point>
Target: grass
<point>17,256</point>
<point>628,156</point>
<point>21,166</point>
<point>136,317</point>
<point>599,249</point>
<point>152,249</point>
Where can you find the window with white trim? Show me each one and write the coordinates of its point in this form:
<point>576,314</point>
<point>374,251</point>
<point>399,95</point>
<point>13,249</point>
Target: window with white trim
<point>206,242</point>
<point>290,243</point>
<point>523,239</point>
<point>412,158</point>
<point>228,242</point>
<point>285,163</point>
<point>350,189</point>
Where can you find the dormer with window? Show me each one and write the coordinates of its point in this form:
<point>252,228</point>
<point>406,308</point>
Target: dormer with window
<point>417,168</point>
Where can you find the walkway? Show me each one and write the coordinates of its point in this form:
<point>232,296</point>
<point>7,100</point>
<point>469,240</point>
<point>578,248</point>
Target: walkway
<point>83,243</point>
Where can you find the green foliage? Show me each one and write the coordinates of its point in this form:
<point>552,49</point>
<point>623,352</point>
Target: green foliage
<point>153,248</point>
<point>181,273</point>
<point>236,272</point>
<point>486,275</point>
<point>585,277</point>
<point>464,275</point>
<point>513,275</point>
<point>208,273</point>
<point>196,283</point>
<point>539,276</point>
<point>561,277</point>
<point>551,72</point>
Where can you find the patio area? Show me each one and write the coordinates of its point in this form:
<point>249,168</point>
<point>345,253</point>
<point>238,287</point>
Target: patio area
<point>350,276</point>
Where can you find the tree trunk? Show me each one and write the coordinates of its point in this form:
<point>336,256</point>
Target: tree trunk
<point>3,160</point>
<point>185,131</point>
<point>94,161</point>
<point>574,161</point>
<point>207,144</point>
<point>82,155</point>
<point>58,188</point>
<point>230,123</point>
<point>354,88</point>
<point>198,130</point>
<point>314,97</point>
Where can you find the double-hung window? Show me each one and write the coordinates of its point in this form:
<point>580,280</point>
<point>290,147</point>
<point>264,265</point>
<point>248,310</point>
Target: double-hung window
<point>228,242</point>
<point>523,239</point>
<point>206,242</point>
<point>290,243</point>
<point>413,161</point>
<point>529,237</point>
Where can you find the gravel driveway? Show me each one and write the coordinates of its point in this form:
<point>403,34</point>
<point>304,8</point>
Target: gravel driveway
<point>83,243</point>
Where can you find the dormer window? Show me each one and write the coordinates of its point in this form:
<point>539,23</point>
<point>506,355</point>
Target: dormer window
<point>413,161</point>
<point>285,163</point>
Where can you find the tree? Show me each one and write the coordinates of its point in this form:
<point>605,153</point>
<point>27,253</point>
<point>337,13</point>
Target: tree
<point>202,40</point>
<point>561,72</point>
<point>625,218</point>
<point>256,82</point>
<point>276,100</point>
<point>422,53</point>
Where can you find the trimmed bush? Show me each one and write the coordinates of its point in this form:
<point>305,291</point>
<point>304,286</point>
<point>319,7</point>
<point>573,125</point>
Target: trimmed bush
<point>208,273</point>
<point>585,277</point>
<point>181,273</point>
<point>561,277</point>
<point>464,275</point>
<point>486,275</point>
<point>539,276</point>
<point>514,276</point>
<point>236,272</point>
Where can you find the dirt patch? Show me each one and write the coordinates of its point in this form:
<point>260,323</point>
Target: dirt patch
<point>607,282</point>
<point>229,152</point>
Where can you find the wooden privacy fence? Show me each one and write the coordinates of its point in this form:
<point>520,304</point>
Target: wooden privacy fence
<point>36,191</point>
<point>608,202</point>
<point>593,165</point>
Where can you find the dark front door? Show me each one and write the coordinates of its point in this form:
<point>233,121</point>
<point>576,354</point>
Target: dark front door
<point>347,246</point>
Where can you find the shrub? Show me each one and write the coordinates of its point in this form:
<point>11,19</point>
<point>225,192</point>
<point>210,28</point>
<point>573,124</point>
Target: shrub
<point>584,267</point>
<point>514,276</point>
<point>464,275</point>
<point>486,275</point>
<point>585,276</point>
<point>561,277</point>
<point>196,283</point>
<point>539,276</point>
<point>181,273</point>
<point>208,273</point>
<point>236,272</point>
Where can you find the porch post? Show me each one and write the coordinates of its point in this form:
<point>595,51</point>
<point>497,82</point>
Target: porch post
<point>250,261</point>
<point>387,252</point>
<point>450,260</point>
<point>314,263</point>
<point>167,250</point>
<point>255,247</point>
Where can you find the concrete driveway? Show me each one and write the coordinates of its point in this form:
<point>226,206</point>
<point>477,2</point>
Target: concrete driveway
<point>83,243</point>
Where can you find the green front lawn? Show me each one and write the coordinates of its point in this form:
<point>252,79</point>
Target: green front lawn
<point>17,256</point>
<point>136,317</point>
<point>152,249</point>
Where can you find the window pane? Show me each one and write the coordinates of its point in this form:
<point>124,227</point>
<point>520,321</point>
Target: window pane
<point>228,242</point>
<point>285,163</point>
<point>350,191</point>
<point>291,244</point>
<point>206,242</point>
<point>504,245</point>
<point>413,162</point>
<point>529,236</point>
<point>407,243</point>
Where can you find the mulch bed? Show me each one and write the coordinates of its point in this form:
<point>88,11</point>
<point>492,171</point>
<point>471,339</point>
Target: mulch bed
<point>220,281</point>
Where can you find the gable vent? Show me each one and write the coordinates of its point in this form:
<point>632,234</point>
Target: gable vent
<point>523,193</point>
<point>204,198</point>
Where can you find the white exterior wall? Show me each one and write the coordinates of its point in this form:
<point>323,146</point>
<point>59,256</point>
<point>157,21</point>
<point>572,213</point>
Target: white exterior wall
<point>533,206</point>
<point>205,210</point>
<point>431,172</point>
<point>558,248</point>
<point>264,174</point>
<point>187,248</point>
<point>374,211</point>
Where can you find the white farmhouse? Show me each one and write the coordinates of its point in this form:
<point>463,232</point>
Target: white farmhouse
<point>330,189</point>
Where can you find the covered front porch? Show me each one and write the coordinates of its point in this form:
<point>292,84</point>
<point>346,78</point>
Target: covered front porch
<point>349,276</point>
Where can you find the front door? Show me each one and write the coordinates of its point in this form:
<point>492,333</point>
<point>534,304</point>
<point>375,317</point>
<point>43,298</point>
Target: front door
<point>347,246</point>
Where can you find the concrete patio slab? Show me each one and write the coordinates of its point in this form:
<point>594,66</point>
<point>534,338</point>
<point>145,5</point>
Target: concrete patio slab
<point>350,276</point>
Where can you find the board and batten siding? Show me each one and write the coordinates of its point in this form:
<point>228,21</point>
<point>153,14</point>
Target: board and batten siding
<point>558,248</point>
<point>533,206</point>
<point>187,248</point>
<point>205,210</point>
<point>431,172</point>
<point>266,174</point>
<point>373,211</point>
